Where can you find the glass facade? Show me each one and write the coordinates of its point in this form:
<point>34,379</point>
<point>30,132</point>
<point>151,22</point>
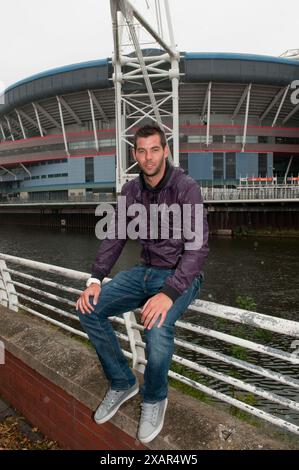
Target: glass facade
<point>230,163</point>
<point>263,162</point>
<point>218,161</point>
<point>89,170</point>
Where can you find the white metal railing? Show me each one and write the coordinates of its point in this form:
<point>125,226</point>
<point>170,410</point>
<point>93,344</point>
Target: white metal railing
<point>210,194</point>
<point>12,297</point>
<point>76,199</point>
<point>251,193</point>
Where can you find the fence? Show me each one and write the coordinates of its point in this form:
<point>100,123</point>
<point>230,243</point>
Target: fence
<point>36,282</point>
<point>210,194</point>
<point>251,193</point>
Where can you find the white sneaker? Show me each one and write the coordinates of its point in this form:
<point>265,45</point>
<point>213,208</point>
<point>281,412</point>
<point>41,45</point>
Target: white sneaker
<point>112,401</point>
<point>151,420</point>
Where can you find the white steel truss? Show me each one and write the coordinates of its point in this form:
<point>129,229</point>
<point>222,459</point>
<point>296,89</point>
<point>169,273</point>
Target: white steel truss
<point>145,101</point>
<point>21,124</point>
<point>2,132</point>
<point>281,105</point>
<point>8,171</point>
<point>26,169</point>
<point>39,126</point>
<point>63,126</point>
<point>246,116</point>
<point>9,128</point>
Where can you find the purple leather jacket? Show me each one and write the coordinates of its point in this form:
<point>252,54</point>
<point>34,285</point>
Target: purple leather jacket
<point>175,187</point>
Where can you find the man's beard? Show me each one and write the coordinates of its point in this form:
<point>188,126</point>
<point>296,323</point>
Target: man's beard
<point>156,171</point>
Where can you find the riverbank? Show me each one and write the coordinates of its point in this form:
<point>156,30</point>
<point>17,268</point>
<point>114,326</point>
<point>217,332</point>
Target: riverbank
<point>248,216</point>
<point>271,232</point>
<point>249,232</point>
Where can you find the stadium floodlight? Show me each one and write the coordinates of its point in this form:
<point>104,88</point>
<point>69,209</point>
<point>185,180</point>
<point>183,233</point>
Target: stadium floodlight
<point>145,58</point>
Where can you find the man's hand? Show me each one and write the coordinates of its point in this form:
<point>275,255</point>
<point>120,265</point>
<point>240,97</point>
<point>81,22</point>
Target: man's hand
<point>156,306</point>
<point>83,304</point>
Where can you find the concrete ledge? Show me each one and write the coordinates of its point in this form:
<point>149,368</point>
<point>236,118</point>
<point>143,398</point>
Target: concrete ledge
<point>74,371</point>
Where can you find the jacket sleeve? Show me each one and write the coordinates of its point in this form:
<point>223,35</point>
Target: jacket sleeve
<point>192,260</point>
<point>110,249</point>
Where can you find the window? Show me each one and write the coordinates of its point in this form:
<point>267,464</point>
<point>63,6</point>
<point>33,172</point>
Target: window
<point>230,165</point>
<point>287,140</point>
<point>89,170</point>
<point>35,177</point>
<point>198,139</point>
<point>262,139</point>
<point>218,165</point>
<point>250,139</point>
<point>91,144</point>
<point>263,165</point>
<point>58,175</point>
<point>82,145</point>
<point>107,143</point>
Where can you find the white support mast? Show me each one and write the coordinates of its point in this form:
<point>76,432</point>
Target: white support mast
<point>140,77</point>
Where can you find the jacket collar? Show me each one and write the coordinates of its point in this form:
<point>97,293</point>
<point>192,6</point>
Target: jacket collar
<point>162,183</point>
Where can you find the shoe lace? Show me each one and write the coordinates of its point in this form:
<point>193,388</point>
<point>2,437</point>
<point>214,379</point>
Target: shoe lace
<point>149,412</point>
<point>110,398</point>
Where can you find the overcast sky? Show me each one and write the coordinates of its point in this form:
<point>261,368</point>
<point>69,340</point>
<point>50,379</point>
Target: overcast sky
<point>37,35</point>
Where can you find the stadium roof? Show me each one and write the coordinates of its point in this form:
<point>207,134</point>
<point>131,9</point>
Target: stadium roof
<point>230,74</point>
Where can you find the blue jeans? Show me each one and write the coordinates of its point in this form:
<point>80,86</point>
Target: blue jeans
<point>126,291</point>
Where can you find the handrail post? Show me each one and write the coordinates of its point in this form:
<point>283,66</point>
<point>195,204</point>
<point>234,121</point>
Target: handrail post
<point>134,336</point>
<point>8,295</point>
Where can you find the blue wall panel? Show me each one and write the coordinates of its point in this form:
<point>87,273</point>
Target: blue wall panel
<point>104,169</point>
<point>200,165</point>
<point>47,169</point>
<point>246,165</point>
<point>76,170</point>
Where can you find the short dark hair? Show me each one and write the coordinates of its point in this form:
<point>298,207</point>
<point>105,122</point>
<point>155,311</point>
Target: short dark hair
<point>148,131</point>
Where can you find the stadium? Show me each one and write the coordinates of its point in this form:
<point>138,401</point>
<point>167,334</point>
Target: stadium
<point>238,121</point>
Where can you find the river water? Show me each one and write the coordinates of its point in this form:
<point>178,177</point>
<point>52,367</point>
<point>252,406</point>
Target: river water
<point>265,269</point>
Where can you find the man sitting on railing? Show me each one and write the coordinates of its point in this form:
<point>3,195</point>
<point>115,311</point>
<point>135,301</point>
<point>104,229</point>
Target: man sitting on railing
<point>164,284</point>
